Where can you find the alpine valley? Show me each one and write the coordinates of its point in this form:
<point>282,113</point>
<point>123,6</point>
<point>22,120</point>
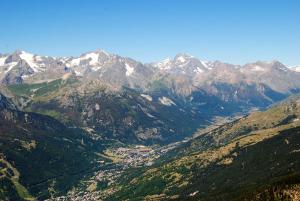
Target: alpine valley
<point>105,127</point>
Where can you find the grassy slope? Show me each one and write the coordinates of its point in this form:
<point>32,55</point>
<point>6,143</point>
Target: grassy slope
<point>11,173</point>
<point>247,155</point>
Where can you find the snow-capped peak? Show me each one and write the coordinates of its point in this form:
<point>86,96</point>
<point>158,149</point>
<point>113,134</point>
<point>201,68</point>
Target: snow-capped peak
<point>182,58</point>
<point>103,52</point>
<point>30,60</point>
<point>164,64</point>
<point>184,63</point>
<point>92,56</point>
<point>295,68</point>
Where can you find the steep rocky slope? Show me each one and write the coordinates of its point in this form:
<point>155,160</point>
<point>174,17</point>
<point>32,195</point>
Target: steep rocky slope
<point>39,155</point>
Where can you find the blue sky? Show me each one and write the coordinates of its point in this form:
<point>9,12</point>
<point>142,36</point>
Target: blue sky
<point>235,31</point>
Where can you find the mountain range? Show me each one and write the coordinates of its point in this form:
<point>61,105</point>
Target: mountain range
<point>132,101</point>
<point>117,71</point>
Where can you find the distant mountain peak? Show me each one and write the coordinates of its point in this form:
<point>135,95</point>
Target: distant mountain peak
<point>182,57</point>
<point>97,51</point>
<point>186,55</point>
<point>101,51</point>
<point>117,71</point>
<point>295,68</point>
<point>264,66</point>
<point>164,64</point>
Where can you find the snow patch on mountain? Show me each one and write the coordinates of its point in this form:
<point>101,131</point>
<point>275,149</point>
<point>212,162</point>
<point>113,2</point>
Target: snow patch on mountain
<point>2,61</point>
<point>198,70</point>
<point>25,76</point>
<point>295,68</point>
<point>93,58</point>
<point>283,68</point>
<point>129,69</point>
<point>97,107</point>
<point>75,62</point>
<point>145,111</point>
<point>164,64</point>
<point>10,66</point>
<point>166,101</point>
<point>147,97</point>
<point>257,68</point>
<point>39,58</point>
<point>96,68</point>
<point>181,59</point>
<point>29,58</point>
<point>204,63</point>
<point>77,73</point>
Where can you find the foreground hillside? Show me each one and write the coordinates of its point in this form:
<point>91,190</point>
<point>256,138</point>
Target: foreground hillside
<point>40,157</point>
<point>253,158</point>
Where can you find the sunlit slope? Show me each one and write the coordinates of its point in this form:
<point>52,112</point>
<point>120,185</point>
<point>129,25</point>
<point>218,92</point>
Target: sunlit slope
<point>232,162</point>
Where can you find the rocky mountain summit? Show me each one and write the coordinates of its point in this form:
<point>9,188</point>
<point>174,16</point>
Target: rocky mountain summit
<point>185,70</point>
